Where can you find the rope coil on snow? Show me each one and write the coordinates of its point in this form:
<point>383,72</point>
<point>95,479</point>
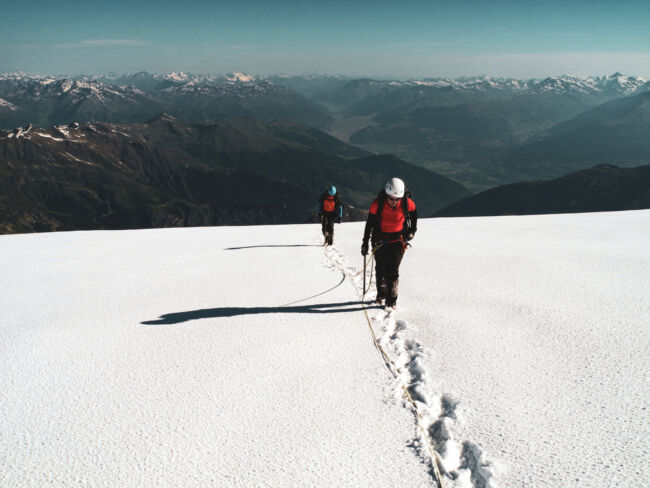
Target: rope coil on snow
<point>392,367</point>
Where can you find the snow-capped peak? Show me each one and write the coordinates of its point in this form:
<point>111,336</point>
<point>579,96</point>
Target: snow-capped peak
<point>622,83</point>
<point>241,77</point>
<point>66,85</point>
<point>177,76</point>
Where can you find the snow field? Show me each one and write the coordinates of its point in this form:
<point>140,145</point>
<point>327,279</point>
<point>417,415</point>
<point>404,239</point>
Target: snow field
<point>536,329</point>
<point>450,464</point>
<point>240,356</point>
<point>164,358</point>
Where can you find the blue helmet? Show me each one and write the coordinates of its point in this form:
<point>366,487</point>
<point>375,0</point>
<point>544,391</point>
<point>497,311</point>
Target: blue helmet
<point>331,190</point>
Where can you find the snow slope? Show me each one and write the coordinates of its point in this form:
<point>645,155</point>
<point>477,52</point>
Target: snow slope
<point>240,356</point>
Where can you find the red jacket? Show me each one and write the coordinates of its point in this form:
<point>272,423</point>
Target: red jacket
<point>392,219</point>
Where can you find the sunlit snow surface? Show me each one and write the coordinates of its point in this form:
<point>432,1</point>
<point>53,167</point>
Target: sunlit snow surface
<point>239,356</point>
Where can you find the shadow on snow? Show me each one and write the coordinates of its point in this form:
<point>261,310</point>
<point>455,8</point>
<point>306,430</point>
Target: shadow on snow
<point>272,245</point>
<point>209,313</point>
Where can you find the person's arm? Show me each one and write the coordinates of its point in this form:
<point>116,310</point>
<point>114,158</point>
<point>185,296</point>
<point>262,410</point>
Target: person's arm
<point>370,223</point>
<point>413,217</point>
<point>340,212</point>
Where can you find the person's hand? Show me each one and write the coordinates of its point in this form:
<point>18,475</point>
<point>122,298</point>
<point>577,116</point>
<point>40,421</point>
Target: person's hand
<point>364,249</point>
<point>408,237</point>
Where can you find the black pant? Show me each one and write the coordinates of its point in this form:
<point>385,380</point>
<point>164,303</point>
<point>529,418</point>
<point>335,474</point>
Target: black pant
<point>327,224</point>
<point>387,260</point>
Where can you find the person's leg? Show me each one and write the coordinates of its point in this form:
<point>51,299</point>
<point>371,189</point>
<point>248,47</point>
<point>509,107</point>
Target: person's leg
<point>330,229</point>
<point>394,254</point>
<point>380,272</point>
<point>326,228</point>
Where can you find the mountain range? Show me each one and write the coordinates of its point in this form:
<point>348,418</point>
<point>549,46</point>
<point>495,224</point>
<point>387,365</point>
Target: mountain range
<point>95,151</point>
<point>479,131</point>
<point>45,101</point>
<point>167,172</point>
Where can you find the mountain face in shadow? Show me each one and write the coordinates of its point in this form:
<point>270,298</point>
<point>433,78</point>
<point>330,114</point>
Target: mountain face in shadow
<point>598,189</point>
<point>170,173</point>
<point>617,132</point>
<point>469,129</point>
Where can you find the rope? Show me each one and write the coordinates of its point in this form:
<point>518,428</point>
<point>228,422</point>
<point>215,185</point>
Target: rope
<point>372,260</point>
<point>394,370</point>
<point>318,294</point>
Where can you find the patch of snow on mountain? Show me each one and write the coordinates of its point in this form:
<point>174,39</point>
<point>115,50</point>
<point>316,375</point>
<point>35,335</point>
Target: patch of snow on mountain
<point>16,75</point>
<point>63,129</point>
<point>177,76</point>
<point>66,85</point>
<point>21,131</point>
<point>76,159</point>
<point>239,77</point>
<point>48,136</point>
<point>132,90</point>
<point>8,105</point>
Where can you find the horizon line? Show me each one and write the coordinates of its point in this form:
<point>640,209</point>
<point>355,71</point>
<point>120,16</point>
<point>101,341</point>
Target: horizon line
<point>384,77</point>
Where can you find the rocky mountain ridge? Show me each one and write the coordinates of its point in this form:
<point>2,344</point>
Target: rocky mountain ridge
<point>171,173</point>
<point>44,101</point>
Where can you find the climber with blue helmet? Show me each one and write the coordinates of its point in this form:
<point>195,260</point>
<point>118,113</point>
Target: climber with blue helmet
<point>330,210</point>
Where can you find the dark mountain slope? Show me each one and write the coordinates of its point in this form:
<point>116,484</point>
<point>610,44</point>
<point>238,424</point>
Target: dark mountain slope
<point>170,173</point>
<point>469,137</point>
<point>429,189</point>
<point>617,132</point>
<point>601,188</point>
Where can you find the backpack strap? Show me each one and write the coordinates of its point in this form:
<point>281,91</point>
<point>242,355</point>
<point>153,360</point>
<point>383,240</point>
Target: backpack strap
<point>405,209</point>
<point>381,199</point>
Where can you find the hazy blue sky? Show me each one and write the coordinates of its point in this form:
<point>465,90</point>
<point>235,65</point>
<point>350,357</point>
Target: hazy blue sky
<point>400,38</point>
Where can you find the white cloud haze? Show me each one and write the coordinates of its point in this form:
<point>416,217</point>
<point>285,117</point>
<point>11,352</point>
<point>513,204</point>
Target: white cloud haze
<point>104,43</point>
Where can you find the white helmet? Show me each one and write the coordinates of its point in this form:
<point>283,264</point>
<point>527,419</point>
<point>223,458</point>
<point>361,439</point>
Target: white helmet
<point>395,188</point>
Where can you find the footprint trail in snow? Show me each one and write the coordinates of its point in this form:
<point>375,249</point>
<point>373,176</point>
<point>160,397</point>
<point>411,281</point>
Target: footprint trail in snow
<point>461,462</point>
